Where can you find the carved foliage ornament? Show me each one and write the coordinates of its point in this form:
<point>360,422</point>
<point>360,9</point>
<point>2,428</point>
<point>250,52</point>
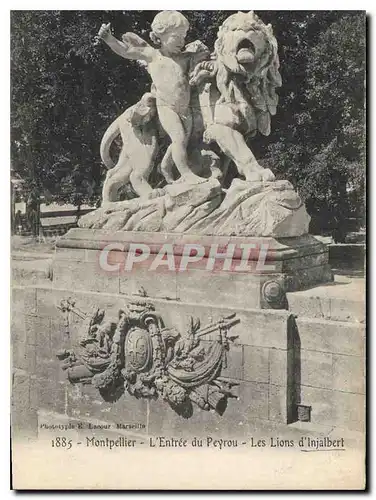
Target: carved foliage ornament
<point>139,354</point>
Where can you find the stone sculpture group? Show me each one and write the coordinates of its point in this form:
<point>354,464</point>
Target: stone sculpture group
<point>187,170</point>
<point>205,106</point>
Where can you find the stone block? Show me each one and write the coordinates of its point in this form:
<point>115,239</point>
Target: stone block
<point>34,396</point>
<point>253,401</point>
<point>48,394</point>
<point>31,272</point>
<point>160,284</point>
<point>349,410</point>
<point>23,300</point>
<point>316,369</point>
<point>23,417</point>
<point>348,309</point>
<point>72,254</point>
<point>282,403</point>
<point>176,314</point>
<point>38,331</point>
<point>256,364</point>
<point>261,328</point>
<point>234,423</point>
<point>84,276</point>
<point>17,327</point>
<point>58,336</point>
<point>311,276</point>
<point>231,289</point>
<point>18,355</point>
<point>282,367</point>
<point>47,300</point>
<point>234,368</point>
<point>164,421</point>
<point>308,306</point>
<point>85,401</point>
<point>237,421</point>
<point>94,255</point>
<point>281,249</point>
<point>127,410</point>
<point>20,390</point>
<point>322,402</point>
<point>342,300</point>
<point>336,337</point>
<point>23,357</point>
<point>79,403</point>
<point>303,262</point>
<point>47,367</point>
<point>348,373</point>
<point>266,351</point>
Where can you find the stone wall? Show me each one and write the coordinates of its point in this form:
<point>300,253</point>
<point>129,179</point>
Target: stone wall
<point>278,361</point>
<point>332,371</point>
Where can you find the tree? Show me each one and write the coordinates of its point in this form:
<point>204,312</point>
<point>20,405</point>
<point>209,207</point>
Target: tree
<point>65,91</point>
<point>67,88</point>
<point>322,149</point>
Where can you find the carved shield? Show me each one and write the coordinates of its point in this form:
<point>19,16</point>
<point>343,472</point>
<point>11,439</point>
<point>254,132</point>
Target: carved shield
<point>138,350</point>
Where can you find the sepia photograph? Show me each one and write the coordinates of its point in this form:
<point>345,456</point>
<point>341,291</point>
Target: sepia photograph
<point>188,244</point>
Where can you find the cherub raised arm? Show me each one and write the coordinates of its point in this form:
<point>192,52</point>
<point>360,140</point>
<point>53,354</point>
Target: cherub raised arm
<point>169,69</point>
<point>132,46</point>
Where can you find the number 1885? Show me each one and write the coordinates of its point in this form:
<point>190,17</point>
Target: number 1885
<point>61,442</point>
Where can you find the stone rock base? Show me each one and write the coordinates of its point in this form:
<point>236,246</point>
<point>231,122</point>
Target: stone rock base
<point>245,209</point>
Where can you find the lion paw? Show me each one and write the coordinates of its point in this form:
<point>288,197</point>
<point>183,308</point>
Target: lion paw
<point>267,175</point>
<point>207,137</point>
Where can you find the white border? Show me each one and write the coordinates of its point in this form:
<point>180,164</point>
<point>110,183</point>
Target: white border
<point>4,135</point>
<point>192,5</point>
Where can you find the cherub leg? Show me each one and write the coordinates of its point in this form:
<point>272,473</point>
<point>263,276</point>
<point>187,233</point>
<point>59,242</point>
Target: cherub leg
<point>179,136</point>
<point>167,164</point>
<point>168,161</point>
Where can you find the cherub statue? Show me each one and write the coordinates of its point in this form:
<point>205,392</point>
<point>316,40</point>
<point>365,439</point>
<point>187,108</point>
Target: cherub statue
<point>169,67</point>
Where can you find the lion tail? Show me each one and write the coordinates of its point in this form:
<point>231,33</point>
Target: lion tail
<point>108,138</point>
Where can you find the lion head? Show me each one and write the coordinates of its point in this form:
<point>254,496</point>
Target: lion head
<point>247,73</point>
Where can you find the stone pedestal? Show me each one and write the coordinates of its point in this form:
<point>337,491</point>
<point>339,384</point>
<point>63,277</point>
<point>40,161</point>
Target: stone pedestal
<point>98,260</point>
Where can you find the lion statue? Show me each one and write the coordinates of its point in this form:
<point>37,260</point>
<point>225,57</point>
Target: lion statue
<point>245,70</point>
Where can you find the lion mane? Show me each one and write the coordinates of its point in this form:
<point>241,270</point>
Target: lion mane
<point>247,73</point>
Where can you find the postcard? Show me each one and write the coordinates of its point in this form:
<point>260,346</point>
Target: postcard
<point>188,248</point>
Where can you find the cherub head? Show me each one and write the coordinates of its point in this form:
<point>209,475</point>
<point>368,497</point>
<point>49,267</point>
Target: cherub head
<point>169,30</point>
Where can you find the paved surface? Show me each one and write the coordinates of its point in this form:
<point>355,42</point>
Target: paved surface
<point>342,300</point>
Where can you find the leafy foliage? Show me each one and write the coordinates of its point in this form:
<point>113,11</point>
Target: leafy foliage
<point>67,88</point>
<point>321,144</point>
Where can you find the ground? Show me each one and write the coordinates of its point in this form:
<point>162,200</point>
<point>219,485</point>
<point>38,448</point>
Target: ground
<point>29,244</point>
